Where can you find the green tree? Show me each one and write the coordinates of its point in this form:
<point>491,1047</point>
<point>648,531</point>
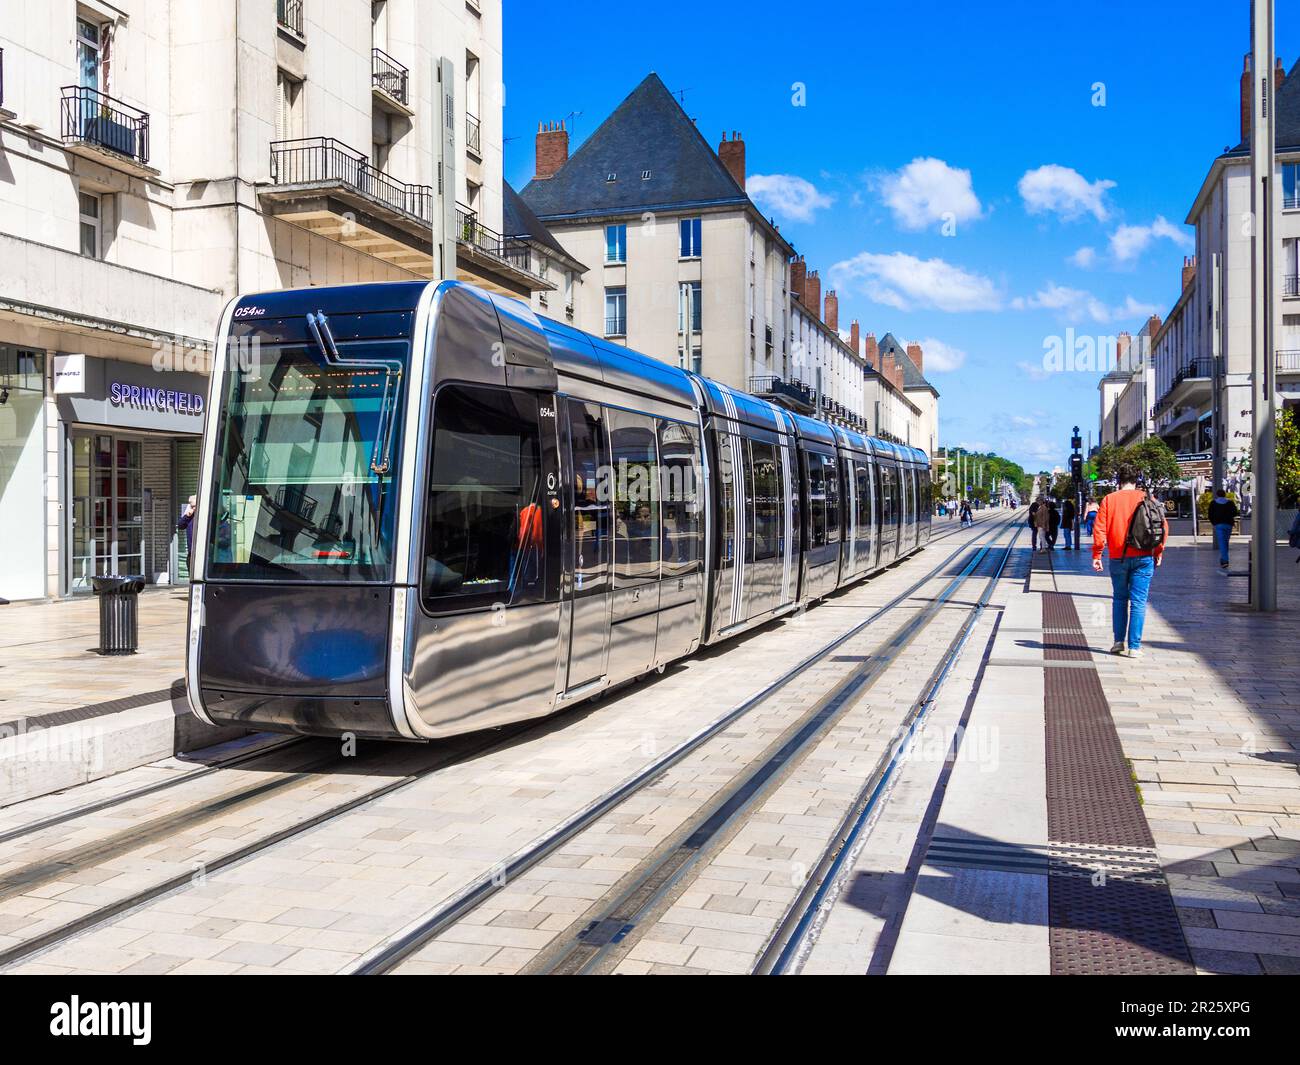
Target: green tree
<point>1288,458</point>
<point>1153,459</point>
<point>1063,486</point>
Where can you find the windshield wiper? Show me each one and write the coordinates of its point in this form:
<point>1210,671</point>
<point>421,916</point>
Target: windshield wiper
<point>380,460</point>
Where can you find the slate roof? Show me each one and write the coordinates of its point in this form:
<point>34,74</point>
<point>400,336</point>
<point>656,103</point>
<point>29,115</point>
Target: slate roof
<point>647,132</point>
<point>1287,120</point>
<point>912,376</point>
<point>518,220</point>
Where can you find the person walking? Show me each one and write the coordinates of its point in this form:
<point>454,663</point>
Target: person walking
<point>1131,565</point>
<point>1223,515</point>
<point>1043,524</point>
<point>967,519</point>
<point>1090,514</point>
<point>1032,522</point>
<point>186,525</point>
<point>1054,523</point>
<point>1068,512</point>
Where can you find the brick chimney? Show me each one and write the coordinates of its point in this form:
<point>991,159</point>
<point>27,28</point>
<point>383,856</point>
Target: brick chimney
<point>1153,326</point>
<point>832,315</point>
<point>732,154</point>
<point>886,365</point>
<point>855,337</point>
<point>1189,269</point>
<point>871,351</point>
<point>914,353</point>
<point>813,293</point>
<point>552,148</point>
<point>1279,75</point>
<point>1122,343</point>
<point>1245,97</point>
<point>798,277</point>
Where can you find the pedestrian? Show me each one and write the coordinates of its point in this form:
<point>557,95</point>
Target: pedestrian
<point>967,520</point>
<point>1090,514</point>
<point>1223,515</point>
<point>1136,543</point>
<point>1043,524</point>
<point>1033,524</point>
<point>1068,512</point>
<point>186,524</point>
<point>1054,523</point>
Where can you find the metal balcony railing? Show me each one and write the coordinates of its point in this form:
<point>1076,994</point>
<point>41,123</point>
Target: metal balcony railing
<point>615,326</point>
<point>511,250</point>
<point>324,159</point>
<point>1291,203</point>
<point>1194,368</point>
<point>473,134</point>
<point>389,76</point>
<point>1291,285</point>
<point>92,117</point>
<point>288,13</point>
<point>1288,361</point>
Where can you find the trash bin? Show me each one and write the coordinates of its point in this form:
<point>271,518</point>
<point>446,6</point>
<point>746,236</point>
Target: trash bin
<point>119,613</point>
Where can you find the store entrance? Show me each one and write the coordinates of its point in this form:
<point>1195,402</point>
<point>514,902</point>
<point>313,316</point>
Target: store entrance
<point>108,532</point>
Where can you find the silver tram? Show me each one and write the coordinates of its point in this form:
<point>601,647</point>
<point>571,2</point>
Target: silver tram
<point>424,510</point>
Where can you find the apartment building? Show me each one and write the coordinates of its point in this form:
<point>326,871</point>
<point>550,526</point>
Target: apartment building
<point>1128,389</point>
<point>162,156</point>
<point>683,266</point>
<point>1203,372</point>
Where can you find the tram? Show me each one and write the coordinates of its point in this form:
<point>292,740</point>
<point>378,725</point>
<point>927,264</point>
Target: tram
<point>425,510</point>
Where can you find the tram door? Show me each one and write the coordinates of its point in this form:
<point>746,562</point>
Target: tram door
<point>588,562</point>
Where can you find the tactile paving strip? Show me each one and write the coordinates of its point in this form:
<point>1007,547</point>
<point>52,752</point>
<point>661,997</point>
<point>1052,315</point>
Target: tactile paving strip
<point>1108,903</point>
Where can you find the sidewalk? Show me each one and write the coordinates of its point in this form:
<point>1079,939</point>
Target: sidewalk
<point>1139,815</point>
<point>68,714</point>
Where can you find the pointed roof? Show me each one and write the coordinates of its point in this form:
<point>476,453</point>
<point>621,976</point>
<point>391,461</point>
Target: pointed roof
<point>1286,121</point>
<point>912,376</point>
<point>647,134</point>
<point>518,220</point>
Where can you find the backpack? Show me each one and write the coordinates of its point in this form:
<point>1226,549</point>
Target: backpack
<point>1146,529</point>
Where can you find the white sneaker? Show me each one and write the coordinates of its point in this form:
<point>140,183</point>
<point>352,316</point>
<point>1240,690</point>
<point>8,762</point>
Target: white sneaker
<point>1117,648</point>
<point>1133,653</point>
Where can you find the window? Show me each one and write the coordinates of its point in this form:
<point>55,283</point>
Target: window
<point>92,229</point>
<point>692,294</point>
<point>832,481</point>
<point>679,463</point>
<point>696,361</point>
<point>636,497</point>
<point>89,42</point>
<point>1290,186</point>
<point>615,312</point>
<point>616,244</point>
<point>816,501</point>
<point>690,238</point>
<point>767,501</point>
<point>591,511</point>
<point>483,539</point>
<point>288,115</point>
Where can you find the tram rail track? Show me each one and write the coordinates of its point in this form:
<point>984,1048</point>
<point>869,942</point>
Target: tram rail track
<point>391,952</point>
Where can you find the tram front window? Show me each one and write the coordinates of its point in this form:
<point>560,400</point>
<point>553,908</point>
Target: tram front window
<point>306,482</point>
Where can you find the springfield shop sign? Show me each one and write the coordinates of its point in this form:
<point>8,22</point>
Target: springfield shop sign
<point>163,399</point>
<point>131,395</point>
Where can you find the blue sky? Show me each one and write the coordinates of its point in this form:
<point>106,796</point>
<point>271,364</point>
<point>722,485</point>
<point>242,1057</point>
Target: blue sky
<point>978,118</point>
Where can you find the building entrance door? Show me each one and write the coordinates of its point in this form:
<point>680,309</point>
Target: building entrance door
<point>107,522</point>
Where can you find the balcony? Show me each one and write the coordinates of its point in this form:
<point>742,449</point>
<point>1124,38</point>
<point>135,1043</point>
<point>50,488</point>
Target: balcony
<point>1291,285</point>
<point>793,394</point>
<point>494,260</point>
<point>288,16</point>
<point>390,83</point>
<point>96,125</point>
<point>1288,362</point>
<point>473,136</point>
<point>615,326</point>
<point>3,112</point>
<point>1189,388</point>
<point>330,188</point>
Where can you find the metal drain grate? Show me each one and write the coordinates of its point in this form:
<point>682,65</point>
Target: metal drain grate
<point>1108,903</point>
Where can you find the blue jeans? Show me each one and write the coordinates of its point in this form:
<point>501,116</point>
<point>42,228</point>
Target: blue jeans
<point>1222,534</point>
<point>1090,520</point>
<point>1130,581</point>
<point>1067,530</point>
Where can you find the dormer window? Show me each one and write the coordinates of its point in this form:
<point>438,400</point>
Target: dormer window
<point>645,175</point>
<point>610,177</point>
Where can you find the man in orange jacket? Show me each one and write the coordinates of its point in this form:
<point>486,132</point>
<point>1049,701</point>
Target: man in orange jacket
<point>1131,568</point>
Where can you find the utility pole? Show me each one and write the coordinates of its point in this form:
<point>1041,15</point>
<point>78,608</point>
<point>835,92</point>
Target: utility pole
<point>1263,572</point>
<point>1076,473</point>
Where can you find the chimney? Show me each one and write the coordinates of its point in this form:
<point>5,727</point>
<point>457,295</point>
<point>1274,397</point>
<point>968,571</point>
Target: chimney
<point>1279,75</point>
<point>832,315</point>
<point>813,293</point>
<point>798,277</point>
<point>871,351</point>
<point>1246,98</point>
<point>1153,326</point>
<point>855,337</point>
<point>1189,269</point>
<point>552,148</point>
<point>732,155</point>
<point>886,365</point>
<point>914,353</point>
<point>1122,344</point>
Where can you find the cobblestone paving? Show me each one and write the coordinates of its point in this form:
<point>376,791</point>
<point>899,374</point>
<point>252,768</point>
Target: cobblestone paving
<point>318,902</point>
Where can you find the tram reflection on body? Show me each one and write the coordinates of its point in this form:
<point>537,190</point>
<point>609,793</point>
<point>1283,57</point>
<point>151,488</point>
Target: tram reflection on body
<point>426,511</point>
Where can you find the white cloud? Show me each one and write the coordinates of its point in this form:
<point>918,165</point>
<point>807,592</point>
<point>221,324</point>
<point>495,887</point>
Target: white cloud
<point>1128,242</point>
<point>940,357</point>
<point>1065,192</point>
<point>1085,258</point>
<point>1033,371</point>
<point>1077,304</point>
<point>906,282</point>
<point>787,195</point>
<point>928,190</point>
<point>1022,421</point>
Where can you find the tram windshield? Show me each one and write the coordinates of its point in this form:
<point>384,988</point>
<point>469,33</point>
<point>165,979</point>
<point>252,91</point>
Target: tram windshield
<point>305,482</point>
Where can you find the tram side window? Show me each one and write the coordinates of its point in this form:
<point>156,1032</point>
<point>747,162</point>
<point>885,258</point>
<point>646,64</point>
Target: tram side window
<point>767,501</point>
<point>591,510</point>
<point>636,497</point>
<point>832,500</point>
<point>863,517</point>
<point>483,535</point>
<point>887,497</point>
<point>679,463</point>
<point>747,460</point>
<point>816,500</point>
